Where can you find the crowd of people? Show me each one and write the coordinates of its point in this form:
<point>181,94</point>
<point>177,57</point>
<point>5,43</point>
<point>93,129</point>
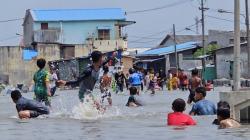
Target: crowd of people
<point>135,82</point>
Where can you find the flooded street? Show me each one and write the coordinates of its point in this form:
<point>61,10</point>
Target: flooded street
<point>119,122</point>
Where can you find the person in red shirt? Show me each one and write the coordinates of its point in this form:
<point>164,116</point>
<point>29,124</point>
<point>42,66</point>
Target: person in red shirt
<point>178,117</point>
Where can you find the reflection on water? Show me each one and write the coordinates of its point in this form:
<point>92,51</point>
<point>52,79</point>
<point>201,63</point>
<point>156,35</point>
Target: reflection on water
<point>71,120</point>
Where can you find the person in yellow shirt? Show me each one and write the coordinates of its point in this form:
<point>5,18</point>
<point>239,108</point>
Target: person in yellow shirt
<point>169,79</point>
<point>175,82</point>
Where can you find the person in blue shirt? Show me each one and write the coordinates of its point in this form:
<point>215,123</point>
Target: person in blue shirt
<point>135,79</point>
<point>202,106</point>
<point>28,108</point>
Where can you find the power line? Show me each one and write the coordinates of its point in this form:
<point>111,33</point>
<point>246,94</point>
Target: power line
<point>134,36</point>
<point>153,34</point>
<point>222,19</point>
<point>158,8</point>
<point>9,20</point>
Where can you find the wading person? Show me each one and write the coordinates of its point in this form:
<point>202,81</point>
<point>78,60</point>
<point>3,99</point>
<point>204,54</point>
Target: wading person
<point>120,80</point>
<point>178,117</point>
<point>42,85</point>
<point>53,78</point>
<point>105,84</point>
<point>132,101</point>
<point>202,106</point>
<point>194,83</point>
<point>88,78</point>
<point>28,108</point>
<point>223,115</point>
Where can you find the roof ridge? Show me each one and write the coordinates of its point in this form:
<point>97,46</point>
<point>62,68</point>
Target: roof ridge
<point>73,9</point>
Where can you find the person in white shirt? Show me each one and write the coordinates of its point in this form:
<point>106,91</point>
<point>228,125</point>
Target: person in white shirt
<point>53,79</point>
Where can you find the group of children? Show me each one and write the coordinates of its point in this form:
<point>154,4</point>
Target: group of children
<point>201,107</point>
<point>86,81</point>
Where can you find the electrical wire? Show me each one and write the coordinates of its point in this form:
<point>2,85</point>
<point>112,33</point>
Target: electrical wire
<point>158,8</point>
<point>223,19</point>
<point>9,20</point>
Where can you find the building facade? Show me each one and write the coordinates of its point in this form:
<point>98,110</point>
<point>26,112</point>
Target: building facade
<point>77,31</point>
<point>225,55</point>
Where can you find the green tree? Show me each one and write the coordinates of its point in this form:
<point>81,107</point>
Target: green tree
<point>210,49</point>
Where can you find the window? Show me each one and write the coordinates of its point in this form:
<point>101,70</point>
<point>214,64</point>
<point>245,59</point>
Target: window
<point>104,34</point>
<point>242,39</point>
<point>231,41</point>
<point>44,26</point>
<point>67,52</point>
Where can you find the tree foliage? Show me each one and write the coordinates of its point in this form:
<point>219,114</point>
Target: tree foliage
<point>210,49</point>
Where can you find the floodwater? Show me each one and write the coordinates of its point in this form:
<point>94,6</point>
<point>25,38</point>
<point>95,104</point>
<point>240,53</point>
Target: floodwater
<point>68,121</point>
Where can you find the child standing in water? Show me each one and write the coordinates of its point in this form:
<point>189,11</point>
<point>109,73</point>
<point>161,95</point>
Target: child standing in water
<point>169,80</point>
<point>178,117</point>
<point>194,83</point>
<point>53,78</point>
<point>202,106</point>
<point>175,82</point>
<point>105,84</point>
<point>132,102</point>
<point>223,115</point>
<point>42,86</point>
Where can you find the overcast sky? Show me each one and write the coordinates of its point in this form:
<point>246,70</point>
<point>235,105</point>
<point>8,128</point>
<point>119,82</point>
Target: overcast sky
<point>150,26</point>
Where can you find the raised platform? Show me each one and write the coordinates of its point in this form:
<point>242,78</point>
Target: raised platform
<point>240,104</point>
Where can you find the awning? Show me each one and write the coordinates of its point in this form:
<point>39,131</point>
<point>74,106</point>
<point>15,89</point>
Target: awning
<point>124,23</point>
<point>104,27</point>
<point>149,60</point>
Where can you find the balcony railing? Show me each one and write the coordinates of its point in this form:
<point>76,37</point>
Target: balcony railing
<point>110,45</point>
<point>47,36</point>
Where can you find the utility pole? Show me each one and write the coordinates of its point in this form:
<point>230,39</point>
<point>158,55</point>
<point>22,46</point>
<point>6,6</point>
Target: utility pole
<point>175,49</point>
<point>203,40</point>
<point>236,69</point>
<point>248,38</point>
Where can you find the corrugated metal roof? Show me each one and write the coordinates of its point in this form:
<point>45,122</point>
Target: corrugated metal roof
<point>78,14</point>
<point>171,49</point>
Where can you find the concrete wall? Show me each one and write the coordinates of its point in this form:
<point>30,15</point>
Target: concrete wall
<point>238,101</point>
<point>20,71</point>
<point>223,56</point>
<point>81,50</point>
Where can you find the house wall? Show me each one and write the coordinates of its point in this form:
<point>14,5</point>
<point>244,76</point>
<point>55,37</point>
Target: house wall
<point>184,64</point>
<point>76,32</point>
<point>127,62</point>
<point>222,37</point>
<point>81,50</point>
<point>223,67</point>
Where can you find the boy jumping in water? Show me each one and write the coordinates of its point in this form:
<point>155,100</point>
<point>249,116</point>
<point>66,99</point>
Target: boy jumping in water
<point>88,78</point>
<point>41,79</point>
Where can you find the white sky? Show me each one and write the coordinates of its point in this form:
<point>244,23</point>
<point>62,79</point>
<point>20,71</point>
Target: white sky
<point>148,23</point>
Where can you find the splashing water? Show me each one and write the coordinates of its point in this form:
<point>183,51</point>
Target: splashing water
<point>88,109</point>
